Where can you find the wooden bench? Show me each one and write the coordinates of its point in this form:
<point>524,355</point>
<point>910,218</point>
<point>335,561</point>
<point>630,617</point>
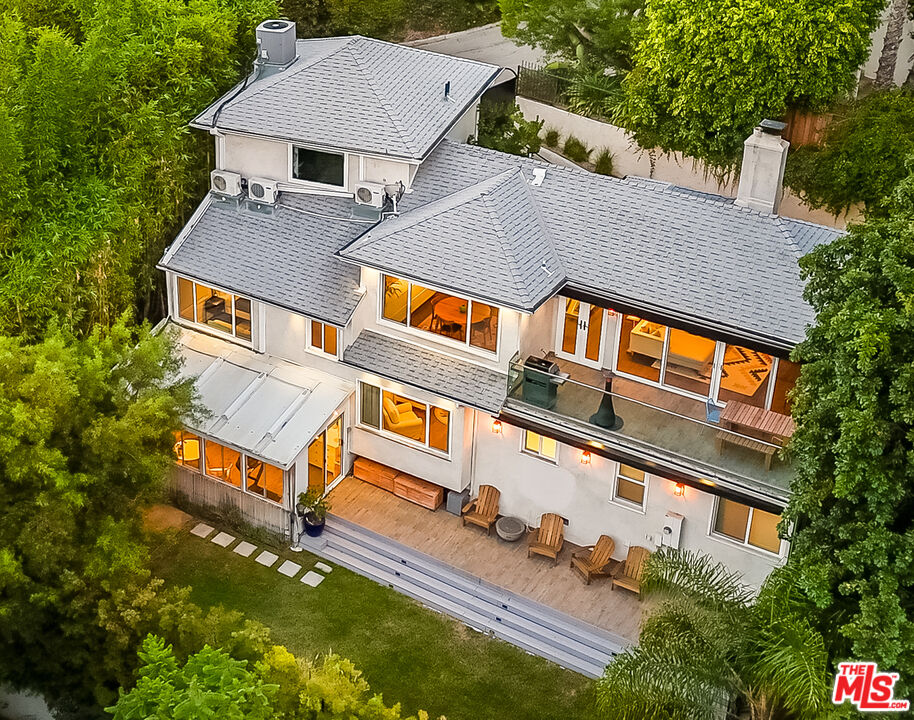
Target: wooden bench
<point>414,489</point>
<point>755,445</point>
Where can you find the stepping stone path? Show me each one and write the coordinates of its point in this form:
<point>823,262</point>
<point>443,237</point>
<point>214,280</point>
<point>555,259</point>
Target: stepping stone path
<point>266,558</point>
<point>289,568</point>
<point>312,578</point>
<point>223,539</point>
<point>202,530</point>
<point>244,549</point>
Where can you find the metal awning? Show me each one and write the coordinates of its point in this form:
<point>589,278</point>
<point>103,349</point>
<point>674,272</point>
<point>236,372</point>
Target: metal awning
<point>266,407</point>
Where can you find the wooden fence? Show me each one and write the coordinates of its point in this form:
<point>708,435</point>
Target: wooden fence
<point>804,128</point>
<point>222,498</point>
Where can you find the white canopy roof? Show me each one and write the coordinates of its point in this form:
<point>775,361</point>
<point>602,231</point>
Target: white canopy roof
<point>267,407</point>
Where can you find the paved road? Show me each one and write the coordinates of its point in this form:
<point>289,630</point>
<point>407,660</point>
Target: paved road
<point>483,43</point>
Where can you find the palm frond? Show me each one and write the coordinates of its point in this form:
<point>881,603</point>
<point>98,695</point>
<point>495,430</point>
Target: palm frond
<point>693,575</point>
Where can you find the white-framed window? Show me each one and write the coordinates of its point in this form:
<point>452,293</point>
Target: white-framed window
<point>232,467</point>
<point>216,309</point>
<point>746,525</point>
<point>323,338</point>
<point>540,445</point>
<point>630,487</point>
<point>395,414</point>
<point>470,323</point>
<point>318,166</point>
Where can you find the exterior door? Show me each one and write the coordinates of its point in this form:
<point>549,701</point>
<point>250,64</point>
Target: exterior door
<point>580,333</point>
<point>325,457</point>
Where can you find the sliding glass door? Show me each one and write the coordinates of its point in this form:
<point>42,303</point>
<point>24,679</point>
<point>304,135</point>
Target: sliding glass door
<point>325,457</point>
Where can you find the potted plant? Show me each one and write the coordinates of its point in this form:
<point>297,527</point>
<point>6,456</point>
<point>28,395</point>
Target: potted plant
<point>313,507</point>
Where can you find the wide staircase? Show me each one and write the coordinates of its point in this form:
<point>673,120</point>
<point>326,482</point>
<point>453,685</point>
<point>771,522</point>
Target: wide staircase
<point>536,628</point>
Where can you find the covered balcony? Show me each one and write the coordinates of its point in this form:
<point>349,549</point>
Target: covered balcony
<point>738,443</point>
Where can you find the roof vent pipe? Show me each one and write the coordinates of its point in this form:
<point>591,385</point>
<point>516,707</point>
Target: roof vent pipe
<point>761,179</point>
<point>276,42</point>
<point>447,90</point>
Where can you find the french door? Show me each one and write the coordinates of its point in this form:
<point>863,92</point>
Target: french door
<point>325,457</point>
<point>580,332</point>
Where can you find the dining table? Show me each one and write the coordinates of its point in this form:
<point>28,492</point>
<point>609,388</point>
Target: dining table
<point>454,310</point>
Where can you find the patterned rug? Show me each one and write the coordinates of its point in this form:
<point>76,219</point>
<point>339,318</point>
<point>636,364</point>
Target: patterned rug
<point>744,370</point>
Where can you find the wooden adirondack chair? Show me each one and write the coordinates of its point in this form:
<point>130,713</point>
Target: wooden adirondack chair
<point>484,509</point>
<point>549,538</point>
<point>598,561</point>
<point>629,577</point>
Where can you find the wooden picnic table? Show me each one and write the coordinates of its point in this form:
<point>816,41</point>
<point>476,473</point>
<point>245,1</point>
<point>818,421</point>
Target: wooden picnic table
<point>770,429</point>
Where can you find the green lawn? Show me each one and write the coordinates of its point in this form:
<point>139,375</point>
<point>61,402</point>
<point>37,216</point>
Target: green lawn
<point>407,653</point>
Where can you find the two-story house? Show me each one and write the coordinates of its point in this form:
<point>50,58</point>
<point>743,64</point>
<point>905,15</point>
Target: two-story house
<point>362,282</point>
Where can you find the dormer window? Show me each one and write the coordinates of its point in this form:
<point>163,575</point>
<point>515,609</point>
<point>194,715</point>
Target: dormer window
<point>320,167</point>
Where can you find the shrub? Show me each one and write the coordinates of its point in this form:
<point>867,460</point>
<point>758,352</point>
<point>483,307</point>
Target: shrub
<point>603,165</point>
<point>594,93</point>
<point>576,150</point>
<point>502,127</point>
<point>551,138</point>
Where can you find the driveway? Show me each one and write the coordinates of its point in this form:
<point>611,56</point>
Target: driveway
<point>484,43</point>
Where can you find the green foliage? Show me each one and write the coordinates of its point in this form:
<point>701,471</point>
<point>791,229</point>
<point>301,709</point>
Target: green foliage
<point>853,494</point>
<point>861,157</point>
<point>593,33</point>
<point>316,502</point>
<point>97,168</point>
<point>593,93</point>
<point>85,439</point>
<point>502,127</point>
<point>604,164</point>
<point>705,642</point>
<point>210,684</point>
<point>551,137</point>
<point>705,73</point>
<point>575,150</point>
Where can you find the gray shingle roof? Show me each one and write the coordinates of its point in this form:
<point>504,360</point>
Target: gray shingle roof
<point>494,224</point>
<point>460,381</point>
<point>283,255</point>
<point>357,93</point>
<point>634,241</point>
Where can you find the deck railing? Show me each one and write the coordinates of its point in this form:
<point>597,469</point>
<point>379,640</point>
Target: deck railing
<point>697,439</point>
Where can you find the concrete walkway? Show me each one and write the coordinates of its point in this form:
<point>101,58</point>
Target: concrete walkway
<point>485,44</point>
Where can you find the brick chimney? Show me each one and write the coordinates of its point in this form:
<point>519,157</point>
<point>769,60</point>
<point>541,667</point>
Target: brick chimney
<point>761,180</point>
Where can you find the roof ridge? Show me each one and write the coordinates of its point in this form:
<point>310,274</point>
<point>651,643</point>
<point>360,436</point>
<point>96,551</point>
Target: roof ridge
<point>491,210</point>
<point>288,72</point>
<point>791,241</point>
<point>383,101</point>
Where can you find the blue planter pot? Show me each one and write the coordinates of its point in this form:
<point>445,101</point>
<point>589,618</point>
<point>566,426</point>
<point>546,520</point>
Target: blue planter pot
<point>314,526</point>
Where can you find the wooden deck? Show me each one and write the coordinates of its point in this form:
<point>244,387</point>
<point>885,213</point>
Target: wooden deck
<point>442,536</point>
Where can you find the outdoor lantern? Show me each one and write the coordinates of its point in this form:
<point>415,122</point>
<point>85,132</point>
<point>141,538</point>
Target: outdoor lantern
<point>496,427</point>
<point>680,489</point>
<point>585,457</point>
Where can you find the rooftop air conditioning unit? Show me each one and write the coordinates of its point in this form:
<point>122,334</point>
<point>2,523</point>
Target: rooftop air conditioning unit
<point>371,194</point>
<point>262,190</point>
<point>224,182</point>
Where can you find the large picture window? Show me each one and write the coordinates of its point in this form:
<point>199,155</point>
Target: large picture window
<point>319,167</point>
<point>217,309</point>
<point>678,359</point>
<point>396,414</point>
<point>188,449</point>
<point>466,321</point>
<point>747,525</point>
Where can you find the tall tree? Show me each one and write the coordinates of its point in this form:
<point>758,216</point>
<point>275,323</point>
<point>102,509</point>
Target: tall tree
<point>894,34</point>
<point>853,495</point>
<point>97,168</point>
<point>595,34</point>
<point>707,644</point>
<point>705,73</point>
<point>85,438</point>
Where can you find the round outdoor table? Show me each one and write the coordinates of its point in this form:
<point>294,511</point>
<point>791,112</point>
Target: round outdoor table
<point>510,528</point>
<point>454,310</point>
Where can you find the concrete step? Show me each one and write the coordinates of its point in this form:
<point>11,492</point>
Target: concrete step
<point>503,599</point>
<point>483,606</point>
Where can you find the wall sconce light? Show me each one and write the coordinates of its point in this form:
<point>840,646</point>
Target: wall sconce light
<point>585,457</point>
<point>680,489</point>
<point>496,427</point>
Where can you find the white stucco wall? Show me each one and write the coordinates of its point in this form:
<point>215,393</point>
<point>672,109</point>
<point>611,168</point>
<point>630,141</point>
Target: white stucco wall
<point>629,158</point>
<point>253,157</point>
<point>537,331</point>
<point>466,127</point>
<point>531,486</point>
